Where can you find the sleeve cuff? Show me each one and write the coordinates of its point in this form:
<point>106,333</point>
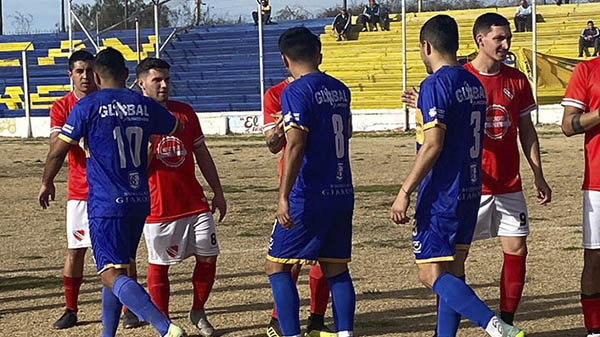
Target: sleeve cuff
<point>175,127</point>
<point>433,124</point>
<point>55,129</point>
<point>268,127</point>
<point>295,126</point>
<point>67,139</point>
<point>527,111</point>
<point>198,142</point>
<point>574,103</point>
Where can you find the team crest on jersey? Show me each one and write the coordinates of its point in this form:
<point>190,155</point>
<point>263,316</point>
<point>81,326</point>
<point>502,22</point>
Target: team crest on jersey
<point>508,93</point>
<point>134,180</point>
<point>497,121</point>
<point>172,251</point>
<point>171,151</point>
<point>79,234</point>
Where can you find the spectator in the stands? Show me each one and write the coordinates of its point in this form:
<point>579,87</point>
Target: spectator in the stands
<point>370,15</point>
<point>590,37</point>
<point>523,17</point>
<point>341,25</point>
<point>265,10</point>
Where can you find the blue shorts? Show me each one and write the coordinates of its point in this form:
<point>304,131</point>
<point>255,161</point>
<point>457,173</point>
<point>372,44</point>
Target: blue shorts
<point>435,238</point>
<point>115,241</point>
<point>320,233</point>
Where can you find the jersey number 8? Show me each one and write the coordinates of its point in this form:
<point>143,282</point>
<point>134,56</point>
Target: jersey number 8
<point>338,131</point>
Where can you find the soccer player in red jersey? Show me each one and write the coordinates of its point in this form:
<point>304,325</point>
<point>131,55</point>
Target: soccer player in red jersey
<point>181,222</point>
<point>319,287</point>
<point>582,115</point>
<point>78,234</point>
<point>503,211</point>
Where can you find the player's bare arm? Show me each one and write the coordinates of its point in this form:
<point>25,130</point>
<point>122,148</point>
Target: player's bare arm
<point>410,97</point>
<point>275,137</point>
<point>576,122</point>
<point>531,149</point>
<point>296,143</point>
<point>209,171</point>
<point>56,157</point>
<point>424,161</point>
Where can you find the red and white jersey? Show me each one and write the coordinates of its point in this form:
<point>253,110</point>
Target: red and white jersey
<point>509,98</point>
<point>583,93</point>
<point>174,189</point>
<point>77,187</point>
<point>273,106</point>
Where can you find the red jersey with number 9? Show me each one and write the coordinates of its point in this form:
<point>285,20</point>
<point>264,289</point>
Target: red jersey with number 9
<point>77,187</point>
<point>174,189</point>
<point>583,93</point>
<point>509,98</point>
<point>273,106</point>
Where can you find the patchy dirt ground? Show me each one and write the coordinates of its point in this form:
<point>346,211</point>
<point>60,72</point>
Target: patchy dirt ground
<point>391,302</point>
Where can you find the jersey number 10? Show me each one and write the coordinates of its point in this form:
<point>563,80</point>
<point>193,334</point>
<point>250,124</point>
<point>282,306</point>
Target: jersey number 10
<point>134,141</point>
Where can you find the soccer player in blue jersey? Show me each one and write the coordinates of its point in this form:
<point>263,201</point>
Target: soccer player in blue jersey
<point>447,173</point>
<point>316,196</point>
<point>116,124</point>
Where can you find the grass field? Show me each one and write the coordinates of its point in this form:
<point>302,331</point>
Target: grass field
<point>391,302</point>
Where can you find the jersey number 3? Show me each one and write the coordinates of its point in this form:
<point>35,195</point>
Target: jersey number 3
<point>134,144</point>
<point>476,123</point>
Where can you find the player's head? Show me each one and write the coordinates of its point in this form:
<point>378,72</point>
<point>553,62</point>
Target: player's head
<point>371,2</point>
<point>523,3</point>
<point>492,35</point>
<point>300,48</point>
<point>590,24</point>
<point>110,69</point>
<point>81,71</point>
<point>153,78</point>
<point>438,37</point>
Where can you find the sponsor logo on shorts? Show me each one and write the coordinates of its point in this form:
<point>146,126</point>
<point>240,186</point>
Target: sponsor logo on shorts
<point>171,151</point>
<point>172,251</point>
<point>79,234</point>
<point>134,180</point>
<point>340,172</point>
<point>417,246</point>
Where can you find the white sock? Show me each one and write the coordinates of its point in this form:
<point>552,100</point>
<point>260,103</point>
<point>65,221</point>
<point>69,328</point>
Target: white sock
<point>594,335</point>
<point>345,334</point>
<point>493,327</point>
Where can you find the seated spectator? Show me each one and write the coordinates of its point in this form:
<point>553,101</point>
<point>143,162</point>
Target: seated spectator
<point>341,24</point>
<point>523,17</point>
<point>371,15</point>
<point>265,10</point>
<point>384,20</point>
<point>590,37</point>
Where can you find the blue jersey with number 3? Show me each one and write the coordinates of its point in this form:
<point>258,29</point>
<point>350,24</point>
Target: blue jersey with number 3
<point>116,124</point>
<point>320,105</point>
<point>453,99</point>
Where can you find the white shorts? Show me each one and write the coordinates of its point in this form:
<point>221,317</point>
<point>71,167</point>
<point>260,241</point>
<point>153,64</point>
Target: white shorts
<point>591,219</point>
<point>502,215</point>
<point>174,241</point>
<point>78,228</point>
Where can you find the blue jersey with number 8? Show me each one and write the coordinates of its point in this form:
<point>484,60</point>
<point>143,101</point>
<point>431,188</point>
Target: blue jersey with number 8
<point>320,105</point>
<point>116,124</point>
<point>453,99</point>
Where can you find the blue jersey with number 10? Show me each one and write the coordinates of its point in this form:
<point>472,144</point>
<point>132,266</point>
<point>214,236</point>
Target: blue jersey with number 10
<point>320,105</point>
<point>453,99</point>
<point>116,124</point>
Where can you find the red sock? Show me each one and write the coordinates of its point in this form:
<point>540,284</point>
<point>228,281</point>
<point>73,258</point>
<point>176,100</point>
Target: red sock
<point>71,286</point>
<point>295,275</point>
<point>203,280</point>
<point>512,282</point>
<point>591,312</point>
<point>159,287</point>
<point>319,290</point>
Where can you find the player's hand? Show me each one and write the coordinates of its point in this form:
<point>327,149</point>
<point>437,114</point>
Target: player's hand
<point>279,124</point>
<point>543,191</point>
<point>283,214</point>
<point>219,203</point>
<point>410,97</point>
<point>399,208</point>
<point>47,194</point>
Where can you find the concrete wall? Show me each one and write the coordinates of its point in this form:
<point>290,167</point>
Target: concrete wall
<point>251,122</point>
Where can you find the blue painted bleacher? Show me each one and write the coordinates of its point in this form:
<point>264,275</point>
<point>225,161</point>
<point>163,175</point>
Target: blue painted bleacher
<point>214,69</point>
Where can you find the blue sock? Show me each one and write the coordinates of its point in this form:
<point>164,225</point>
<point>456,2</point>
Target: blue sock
<point>462,299</point>
<point>343,300</point>
<point>287,302</point>
<point>448,320</point>
<point>132,295</point>
<point>111,311</point>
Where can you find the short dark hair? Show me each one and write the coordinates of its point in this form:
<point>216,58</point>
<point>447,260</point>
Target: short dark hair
<point>299,44</point>
<point>484,23</point>
<point>111,63</point>
<point>150,63</point>
<point>80,55</point>
<point>592,22</point>
<point>442,32</point>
